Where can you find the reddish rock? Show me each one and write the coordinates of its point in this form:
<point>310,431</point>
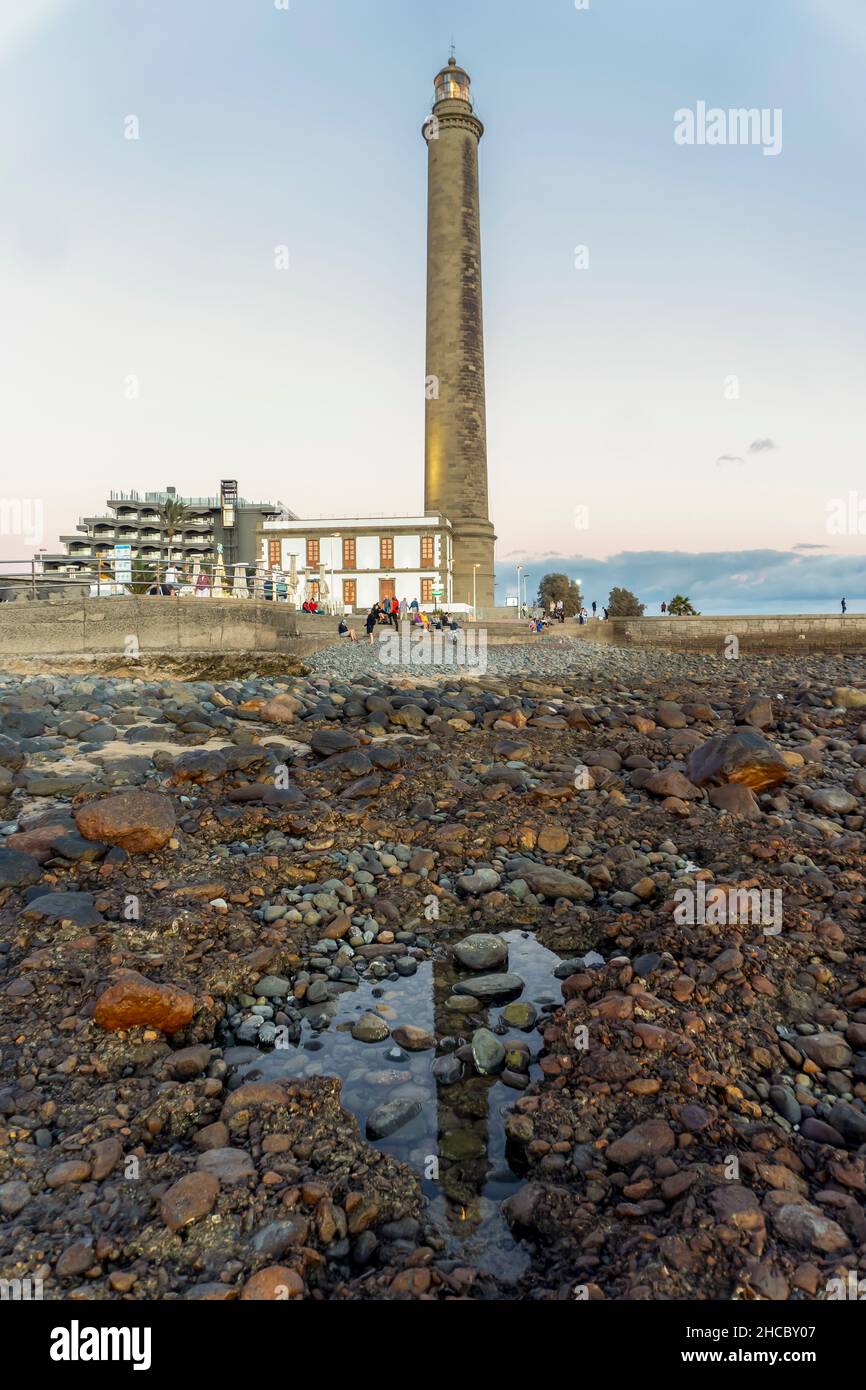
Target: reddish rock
<point>188,1200</point>
<point>669,782</point>
<point>412,1038</point>
<point>256,1095</point>
<point>38,841</point>
<point>736,799</point>
<point>827,1049</point>
<point>136,1001</point>
<point>107,1153</point>
<point>277,1282</point>
<point>735,1205</point>
<point>73,1170</point>
<point>646,1140</point>
<point>282,709</point>
<point>139,822</point>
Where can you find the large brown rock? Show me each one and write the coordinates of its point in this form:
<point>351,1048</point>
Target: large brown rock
<point>282,709</point>
<point>736,799</point>
<point>647,1140</point>
<point>827,1050</point>
<point>136,821</point>
<point>188,1200</point>
<point>669,782</point>
<point>548,882</point>
<point>743,756</point>
<point>135,1001</point>
<point>758,712</point>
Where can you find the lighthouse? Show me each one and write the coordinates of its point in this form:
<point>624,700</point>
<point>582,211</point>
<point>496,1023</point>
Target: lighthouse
<point>455,435</point>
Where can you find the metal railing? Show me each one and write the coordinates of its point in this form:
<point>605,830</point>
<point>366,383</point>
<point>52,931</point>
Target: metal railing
<point>120,578</point>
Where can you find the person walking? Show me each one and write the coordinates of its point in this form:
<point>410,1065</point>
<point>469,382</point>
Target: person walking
<point>594,608</point>
<point>844,607</point>
<point>372,620</point>
<point>664,608</point>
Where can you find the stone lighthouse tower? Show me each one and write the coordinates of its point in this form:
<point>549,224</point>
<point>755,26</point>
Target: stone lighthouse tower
<point>455,437</point>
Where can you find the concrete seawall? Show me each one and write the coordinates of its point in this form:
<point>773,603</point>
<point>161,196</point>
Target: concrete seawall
<point>115,628</point>
<point>89,629</point>
<point>817,632</point>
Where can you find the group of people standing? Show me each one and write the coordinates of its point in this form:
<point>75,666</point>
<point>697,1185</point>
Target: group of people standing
<point>392,612</point>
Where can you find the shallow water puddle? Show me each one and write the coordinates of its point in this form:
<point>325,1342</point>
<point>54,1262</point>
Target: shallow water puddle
<point>456,1141</point>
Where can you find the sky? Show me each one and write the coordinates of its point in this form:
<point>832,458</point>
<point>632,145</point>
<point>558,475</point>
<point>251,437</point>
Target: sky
<point>679,403</point>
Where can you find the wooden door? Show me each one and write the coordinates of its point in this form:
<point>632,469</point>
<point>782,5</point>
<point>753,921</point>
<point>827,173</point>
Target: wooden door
<point>386,589</point>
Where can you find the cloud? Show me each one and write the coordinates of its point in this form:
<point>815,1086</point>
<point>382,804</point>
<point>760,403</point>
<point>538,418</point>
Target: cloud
<point>718,580</point>
<point>727,458</point>
<point>762,446</point>
<point>809,545</point>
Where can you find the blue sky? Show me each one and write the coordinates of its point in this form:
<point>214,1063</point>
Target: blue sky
<point>607,395</point>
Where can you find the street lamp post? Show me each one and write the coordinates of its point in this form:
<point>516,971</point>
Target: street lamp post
<point>474,592</point>
<point>519,582</point>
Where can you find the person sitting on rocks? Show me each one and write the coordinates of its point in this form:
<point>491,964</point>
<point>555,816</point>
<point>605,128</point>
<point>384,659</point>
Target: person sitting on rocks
<point>345,631</point>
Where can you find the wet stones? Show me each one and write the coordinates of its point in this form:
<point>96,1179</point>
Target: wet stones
<point>481,951</point>
<point>488,1053</point>
<point>370,1028</point>
<point>488,988</point>
<point>413,1039</point>
<point>139,822</point>
<point>386,1119</point>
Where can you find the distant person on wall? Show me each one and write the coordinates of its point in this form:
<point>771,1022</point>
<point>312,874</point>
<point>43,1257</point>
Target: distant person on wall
<point>594,608</point>
<point>395,612</point>
<point>560,610</point>
<point>202,585</point>
<point>606,614</point>
<point>844,607</point>
<point>404,607</point>
<point>664,608</point>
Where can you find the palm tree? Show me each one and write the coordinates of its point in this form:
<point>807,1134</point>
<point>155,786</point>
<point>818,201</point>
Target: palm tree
<point>173,516</point>
<point>682,608</point>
